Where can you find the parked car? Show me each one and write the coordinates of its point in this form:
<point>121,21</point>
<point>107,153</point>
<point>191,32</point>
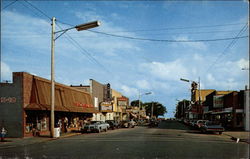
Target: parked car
<point>200,123</point>
<point>210,126</point>
<point>186,121</point>
<point>113,124</point>
<point>192,123</point>
<point>95,126</point>
<point>153,123</point>
<point>127,124</point>
<point>105,123</point>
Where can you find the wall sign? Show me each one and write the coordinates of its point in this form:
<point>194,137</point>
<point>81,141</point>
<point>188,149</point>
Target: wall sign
<point>8,100</point>
<point>79,104</point>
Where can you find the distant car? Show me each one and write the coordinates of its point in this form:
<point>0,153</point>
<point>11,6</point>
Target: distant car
<point>127,124</point>
<point>192,123</point>
<point>200,123</point>
<point>210,126</point>
<point>113,124</point>
<point>186,121</point>
<point>95,126</point>
<point>105,123</point>
<point>153,123</point>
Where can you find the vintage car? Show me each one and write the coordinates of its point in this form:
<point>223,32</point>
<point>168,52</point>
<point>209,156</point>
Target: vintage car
<point>210,126</point>
<point>95,126</point>
<point>113,124</point>
<point>199,123</point>
<point>153,123</point>
<point>127,124</point>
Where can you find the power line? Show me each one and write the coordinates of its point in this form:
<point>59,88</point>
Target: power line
<point>39,16</point>
<point>166,40</point>
<point>9,4</point>
<point>181,28</point>
<point>170,28</point>
<point>77,44</point>
<point>229,45</point>
<point>38,10</point>
<point>84,51</point>
<point>40,35</point>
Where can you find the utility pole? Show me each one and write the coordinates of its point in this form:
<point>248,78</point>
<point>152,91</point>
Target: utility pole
<point>52,117</point>
<point>152,110</point>
<point>199,107</point>
<point>139,105</point>
<point>53,39</point>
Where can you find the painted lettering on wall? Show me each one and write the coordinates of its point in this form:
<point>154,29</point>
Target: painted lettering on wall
<point>8,100</point>
<point>78,104</point>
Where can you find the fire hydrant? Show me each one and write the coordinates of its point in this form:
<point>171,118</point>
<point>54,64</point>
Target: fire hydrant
<point>3,133</point>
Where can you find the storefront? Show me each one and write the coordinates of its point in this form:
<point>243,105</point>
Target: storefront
<point>30,112</point>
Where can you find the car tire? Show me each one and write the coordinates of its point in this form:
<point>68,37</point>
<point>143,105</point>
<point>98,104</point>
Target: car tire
<point>105,130</point>
<point>99,130</point>
<point>203,131</point>
<point>220,133</point>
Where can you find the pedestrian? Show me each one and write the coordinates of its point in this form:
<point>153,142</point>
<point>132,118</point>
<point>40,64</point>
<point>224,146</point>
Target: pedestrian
<point>3,133</point>
<point>60,125</point>
<point>65,122</point>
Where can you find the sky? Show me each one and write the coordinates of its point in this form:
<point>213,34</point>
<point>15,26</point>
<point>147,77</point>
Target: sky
<point>140,46</point>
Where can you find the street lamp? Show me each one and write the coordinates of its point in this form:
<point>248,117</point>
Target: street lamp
<point>53,39</point>
<point>199,88</point>
<point>147,93</point>
<point>186,80</point>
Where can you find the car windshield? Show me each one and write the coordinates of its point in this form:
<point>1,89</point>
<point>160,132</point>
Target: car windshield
<point>212,123</point>
<point>94,122</point>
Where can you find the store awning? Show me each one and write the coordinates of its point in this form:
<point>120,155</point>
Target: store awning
<point>67,99</point>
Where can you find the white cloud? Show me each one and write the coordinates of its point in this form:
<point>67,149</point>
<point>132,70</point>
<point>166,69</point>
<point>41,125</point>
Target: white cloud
<point>243,63</point>
<point>192,45</point>
<point>129,91</point>
<point>6,72</point>
<point>169,70</point>
<point>143,84</point>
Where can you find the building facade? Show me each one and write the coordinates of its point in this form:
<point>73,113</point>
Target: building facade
<point>25,106</point>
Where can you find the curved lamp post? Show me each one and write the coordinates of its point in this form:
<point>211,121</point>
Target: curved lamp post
<point>147,93</point>
<point>53,39</point>
<point>199,89</point>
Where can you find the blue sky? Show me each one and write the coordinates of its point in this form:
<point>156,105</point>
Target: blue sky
<point>131,66</point>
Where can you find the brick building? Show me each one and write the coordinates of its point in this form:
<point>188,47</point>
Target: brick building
<point>25,105</point>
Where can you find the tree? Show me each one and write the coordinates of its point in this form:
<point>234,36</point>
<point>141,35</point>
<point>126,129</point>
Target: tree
<point>159,109</point>
<point>135,103</point>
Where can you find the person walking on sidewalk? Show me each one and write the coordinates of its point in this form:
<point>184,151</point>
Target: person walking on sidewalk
<point>3,133</point>
<point>65,122</point>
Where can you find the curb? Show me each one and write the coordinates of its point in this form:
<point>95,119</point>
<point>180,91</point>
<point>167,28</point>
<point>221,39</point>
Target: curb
<point>238,139</point>
<point>45,140</point>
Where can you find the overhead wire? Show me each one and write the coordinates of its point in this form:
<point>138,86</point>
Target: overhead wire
<point>228,46</point>
<point>9,5</point>
<point>72,40</point>
<point>167,40</point>
<point>174,33</point>
<point>38,9</point>
<point>162,40</point>
<point>84,51</point>
<point>39,16</point>
<point>180,28</point>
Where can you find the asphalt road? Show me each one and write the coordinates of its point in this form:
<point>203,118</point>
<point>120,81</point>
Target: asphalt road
<point>170,140</point>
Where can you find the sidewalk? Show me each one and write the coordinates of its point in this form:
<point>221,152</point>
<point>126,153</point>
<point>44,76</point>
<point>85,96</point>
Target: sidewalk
<point>16,142</point>
<point>239,136</point>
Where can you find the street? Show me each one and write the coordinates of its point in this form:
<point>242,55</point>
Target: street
<point>170,140</point>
